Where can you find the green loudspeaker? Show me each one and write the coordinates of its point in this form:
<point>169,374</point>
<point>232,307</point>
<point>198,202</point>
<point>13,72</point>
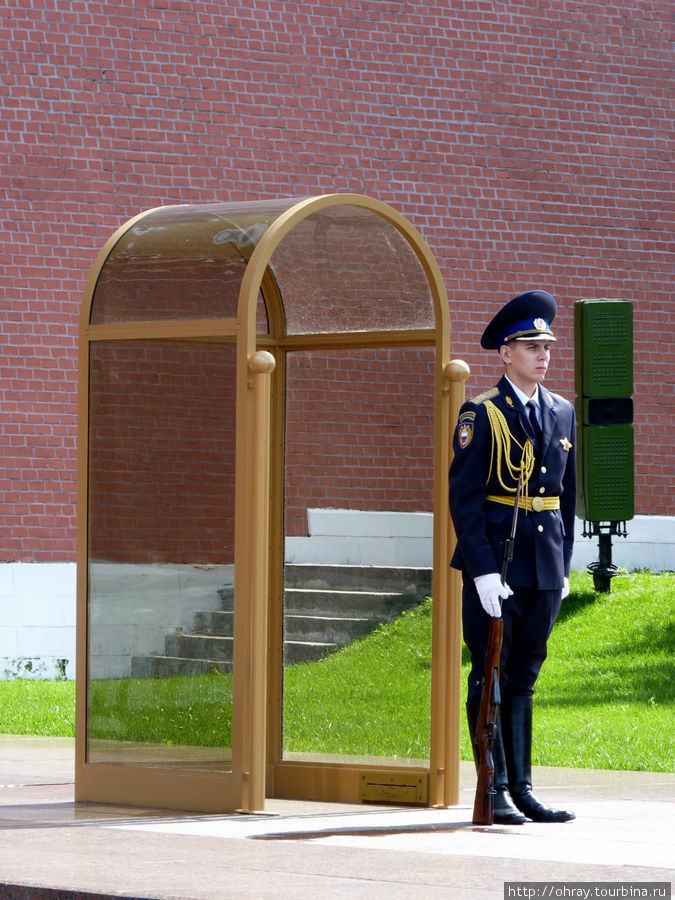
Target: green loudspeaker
<point>603,375</point>
<point>605,471</point>
<point>603,348</point>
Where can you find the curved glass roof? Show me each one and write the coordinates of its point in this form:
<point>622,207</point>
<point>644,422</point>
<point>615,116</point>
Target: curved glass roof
<point>346,268</point>
<point>342,267</point>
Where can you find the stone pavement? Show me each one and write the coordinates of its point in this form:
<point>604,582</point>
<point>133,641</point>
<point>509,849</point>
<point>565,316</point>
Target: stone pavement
<point>53,848</point>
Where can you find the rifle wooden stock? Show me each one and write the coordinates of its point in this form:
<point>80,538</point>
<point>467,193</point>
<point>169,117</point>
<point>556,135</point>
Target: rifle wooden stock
<point>483,807</point>
<point>486,727</point>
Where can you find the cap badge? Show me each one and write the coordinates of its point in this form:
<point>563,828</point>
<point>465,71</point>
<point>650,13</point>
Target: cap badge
<point>540,324</point>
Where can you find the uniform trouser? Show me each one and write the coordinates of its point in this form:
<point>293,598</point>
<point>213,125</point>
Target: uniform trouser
<point>529,615</point>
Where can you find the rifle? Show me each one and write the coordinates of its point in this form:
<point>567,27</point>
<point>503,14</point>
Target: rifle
<point>486,727</point>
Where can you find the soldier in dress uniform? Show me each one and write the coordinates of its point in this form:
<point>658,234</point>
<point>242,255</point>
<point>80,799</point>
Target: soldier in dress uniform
<point>518,428</point>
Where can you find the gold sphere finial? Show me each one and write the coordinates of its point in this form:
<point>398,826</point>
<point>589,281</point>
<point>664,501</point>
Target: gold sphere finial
<point>456,370</point>
<point>262,361</point>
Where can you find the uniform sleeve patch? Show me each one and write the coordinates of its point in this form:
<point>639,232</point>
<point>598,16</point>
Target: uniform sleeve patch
<point>465,430</point>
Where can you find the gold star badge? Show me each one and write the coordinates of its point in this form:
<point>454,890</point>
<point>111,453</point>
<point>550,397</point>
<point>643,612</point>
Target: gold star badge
<point>566,444</point>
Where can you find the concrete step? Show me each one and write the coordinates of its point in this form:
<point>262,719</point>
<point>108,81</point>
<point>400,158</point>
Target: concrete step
<point>226,595</point>
<point>337,630</point>
<point>200,646</point>
<point>350,603</point>
<point>325,607</point>
<point>397,579</point>
<point>306,651</point>
<point>217,622</point>
<point>163,666</point>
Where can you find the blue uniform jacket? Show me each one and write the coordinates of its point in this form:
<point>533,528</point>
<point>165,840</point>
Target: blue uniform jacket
<point>543,547</point>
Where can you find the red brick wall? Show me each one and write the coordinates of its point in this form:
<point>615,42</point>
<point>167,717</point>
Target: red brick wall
<point>530,143</point>
<point>162,451</point>
<point>359,432</point>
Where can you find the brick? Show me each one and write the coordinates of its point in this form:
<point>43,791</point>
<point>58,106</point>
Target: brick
<point>544,165</point>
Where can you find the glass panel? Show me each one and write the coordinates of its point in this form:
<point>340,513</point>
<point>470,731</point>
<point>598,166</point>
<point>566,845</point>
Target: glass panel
<point>182,262</point>
<point>358,550</point>
<point>262,325</point>
<point>161,554</point>
<point>346,269</point>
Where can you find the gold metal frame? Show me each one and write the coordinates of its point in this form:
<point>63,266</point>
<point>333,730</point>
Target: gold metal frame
<point>257,766</point>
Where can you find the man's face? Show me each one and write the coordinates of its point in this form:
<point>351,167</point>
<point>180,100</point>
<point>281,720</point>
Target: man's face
<point>527,361</point>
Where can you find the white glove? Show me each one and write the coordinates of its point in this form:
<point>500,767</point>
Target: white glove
<point>490,591</point>
<point>566,588</point>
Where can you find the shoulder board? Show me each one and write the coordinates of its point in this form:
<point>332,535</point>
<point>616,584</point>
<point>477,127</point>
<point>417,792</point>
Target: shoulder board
<point>486,395</point>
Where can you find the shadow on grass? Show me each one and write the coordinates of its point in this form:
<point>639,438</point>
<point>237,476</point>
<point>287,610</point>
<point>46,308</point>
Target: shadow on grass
<point>654,639</point>
<point>648,683</point>
<point>575,603</point>
<point>572,606</point>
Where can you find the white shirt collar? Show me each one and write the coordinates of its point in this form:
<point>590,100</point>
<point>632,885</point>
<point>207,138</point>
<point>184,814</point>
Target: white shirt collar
<point>522,396</point>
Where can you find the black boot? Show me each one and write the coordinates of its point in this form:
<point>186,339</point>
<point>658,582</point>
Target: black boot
<point>517,730</point>
<point>505,813</point>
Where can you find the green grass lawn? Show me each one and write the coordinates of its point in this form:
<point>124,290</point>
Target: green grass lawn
<point>605,695</point>
<point>604,698</point>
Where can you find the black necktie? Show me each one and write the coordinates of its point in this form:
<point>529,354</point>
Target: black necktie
<point>532,413</point>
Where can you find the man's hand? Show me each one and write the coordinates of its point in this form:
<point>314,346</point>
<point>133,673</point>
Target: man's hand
<point>566,588</point>
<point>490,591</point>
